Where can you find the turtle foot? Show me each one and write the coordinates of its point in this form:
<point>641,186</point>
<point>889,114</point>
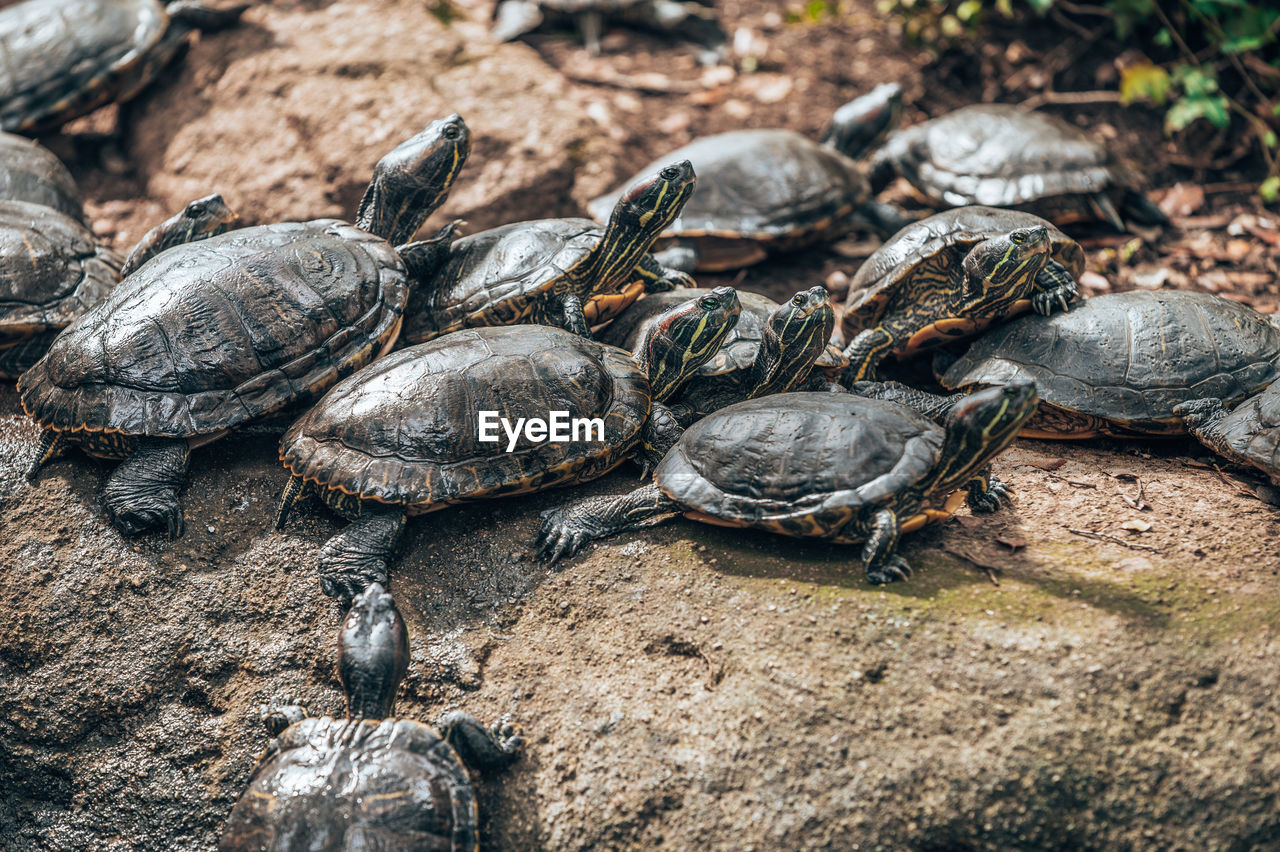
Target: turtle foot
<point>340,578</point>
<point>357,557</point>
<point>480,747</point>
<point>989,499</point>
<point>892,570</point>
<point>564,532</point>
<point>144,512</point>
<point>276,719</point>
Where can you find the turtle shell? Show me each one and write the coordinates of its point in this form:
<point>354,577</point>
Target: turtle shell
<point>798,464</point>
<point>935,246</point>
<point>67,57</point>
<point>497,277</point>
<point>356,784</point>
<point>51,270</point>
<point>30,172</point>
<point>1118,364</point>
<point>406,431</point>
<point>1002,156</point>
<point>209,335</point>
<point>772,186</point>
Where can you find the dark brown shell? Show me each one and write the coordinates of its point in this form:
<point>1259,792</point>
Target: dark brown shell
<point>406,431</point>
<point>51,270</point>
<point>211,334</point>
<point>389,784</point>
<point>66,57</point>
<point>30,172</point>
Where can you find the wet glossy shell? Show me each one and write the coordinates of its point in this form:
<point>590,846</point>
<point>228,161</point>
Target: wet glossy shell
<point>766,185</point>
<point>1128,358</point>
<point>79,56</point>
<point>798,464</point>
<point>51,270</point>
<point>934,246</point>
<point>496,277</point>
<point>1002,156</point>
<point>211,334</point>
<point>406,431</point>
<point>329,784</point>
<point>30,172</point>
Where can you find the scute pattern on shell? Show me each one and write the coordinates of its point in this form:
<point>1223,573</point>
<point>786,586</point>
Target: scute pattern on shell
<point>77,52</point>
<point>761,185</point>
<point>803,468</point>
<point>214,333</point>
<point>388,784</point>
<point>1130,357</point>
<point>31,172</point>
<point>1002,156</point>
<point>51,270</point>
<point>953,232</point>
<point>405,431</point>
<point>495,276</point>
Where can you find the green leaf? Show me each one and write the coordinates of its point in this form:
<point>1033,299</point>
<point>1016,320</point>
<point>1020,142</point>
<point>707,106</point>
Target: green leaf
<point>1270,189</point>
<point>1248,29</point>
<point>969,10</point>
<point>1040,7</point>
<point>1162,38</point>
<point>1188,109</point>
<point>1145,82</point>
<point>1269,139</point>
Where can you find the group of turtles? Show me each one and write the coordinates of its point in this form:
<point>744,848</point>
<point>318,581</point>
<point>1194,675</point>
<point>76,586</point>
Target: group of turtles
<point>380,351</point>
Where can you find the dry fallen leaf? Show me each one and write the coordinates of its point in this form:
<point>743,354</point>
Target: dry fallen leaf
<point>1182,200</point>
<point>1094,281</point>
<point>1136,526</point>
<point>1012,542</point>
<point>1047,464</point>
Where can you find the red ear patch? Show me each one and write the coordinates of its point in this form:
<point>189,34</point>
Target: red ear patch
<point>641,188</point>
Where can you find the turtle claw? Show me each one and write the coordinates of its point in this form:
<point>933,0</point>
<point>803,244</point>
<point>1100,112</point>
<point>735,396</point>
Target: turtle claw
<point>345,583</point>
<point>990,499</point>
<point>561,535</point>
<point>135,520</point>
<point>1047,301</point>
<point>892,570</point>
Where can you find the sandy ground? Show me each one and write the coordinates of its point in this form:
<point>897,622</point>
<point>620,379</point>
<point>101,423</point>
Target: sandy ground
<point>1092,668</point>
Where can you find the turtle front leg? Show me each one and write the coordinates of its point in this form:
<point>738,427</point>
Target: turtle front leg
<point>879,555</point>
<point>1204,419</point>
<point>660,433</point>
<point>575,318</point>
<point>358,556</point>
<point>142,492</point>
<point>53,444</point>
<point>870,347</point>
<point>479,747</point>
<point>276,719</point>
<point>985,493</point>
<point>934,406</point>
<point>659,278</point>
<point>565,530</point>
<point>1055,288</point>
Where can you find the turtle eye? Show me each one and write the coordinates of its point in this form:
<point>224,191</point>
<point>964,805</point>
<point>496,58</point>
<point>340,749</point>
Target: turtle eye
<point>1018,237</point>
<point>797,299</point>
<point>452,132</point>
<point>708,304</point>
<point>670,173</point>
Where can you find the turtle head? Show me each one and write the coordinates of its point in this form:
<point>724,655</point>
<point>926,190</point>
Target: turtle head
<point>1001,270</point>
<point>651,204</point>
<point>203,218</point>
<point>414,179</point>
<point>979,427</point>
<point>684,338</point>
<point>373,654</point>
<point>793,339</point>
<point>864,122</point>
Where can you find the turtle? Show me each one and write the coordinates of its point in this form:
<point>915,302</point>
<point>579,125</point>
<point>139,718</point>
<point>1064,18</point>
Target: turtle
<point>419,429</point>
<point>770,190</point>
<point>772,349</point>
<point>31,172</point>
<point>951,275</point>
<point>548,270</point>
<point>1248,434</point>
<point>66,58</point>
<point>371,780</point>
<point>1003,156</point>
<point>694,20</point>
<point>208,336</point>
<point>832,466</point>
<point>1120,364</point>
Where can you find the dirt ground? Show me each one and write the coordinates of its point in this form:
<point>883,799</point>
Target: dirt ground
<point>1093,668</point>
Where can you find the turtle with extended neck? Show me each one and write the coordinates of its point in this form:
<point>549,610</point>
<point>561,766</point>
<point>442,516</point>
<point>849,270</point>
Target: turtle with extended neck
<point>371,780</point>
<point>549,270</point>
<point>816,465</point>
<point>209,336</point>
<point>408,435</point>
